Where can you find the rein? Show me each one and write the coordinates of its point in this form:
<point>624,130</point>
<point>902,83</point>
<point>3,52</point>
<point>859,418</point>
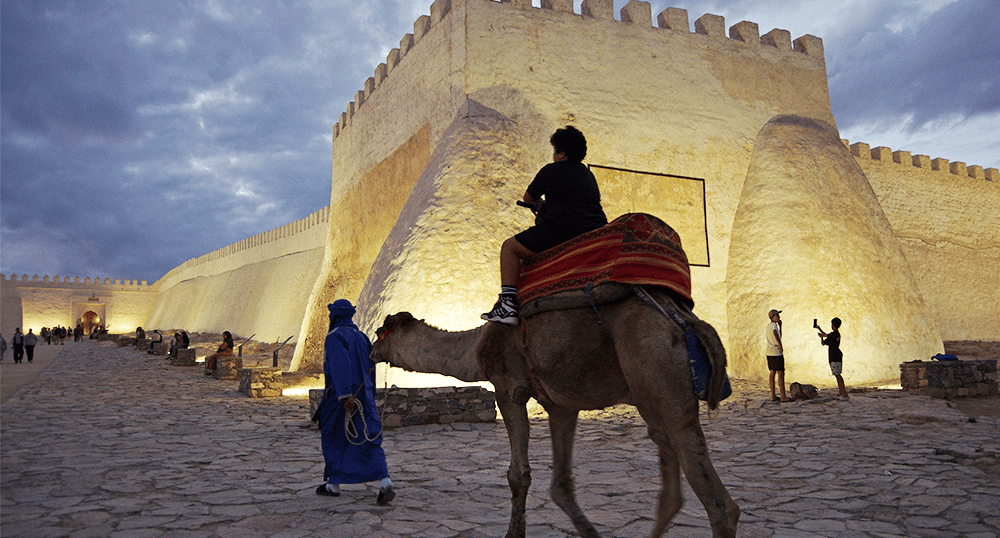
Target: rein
<point>388,331</point>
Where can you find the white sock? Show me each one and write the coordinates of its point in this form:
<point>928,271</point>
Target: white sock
<point>385,483</point>
<point>333,488</point>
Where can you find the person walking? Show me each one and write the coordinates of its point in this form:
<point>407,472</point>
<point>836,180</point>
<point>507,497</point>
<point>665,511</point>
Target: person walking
<point>775,355</point>
<point>30,341</point>
<point>17,342</point>
<point>348,419</point>
<point>3,347</point>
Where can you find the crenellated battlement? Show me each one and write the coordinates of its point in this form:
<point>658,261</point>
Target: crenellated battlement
<point>863,151</point>
<point>637,13</point>
<point>317,218</point>
<point>75,282</point>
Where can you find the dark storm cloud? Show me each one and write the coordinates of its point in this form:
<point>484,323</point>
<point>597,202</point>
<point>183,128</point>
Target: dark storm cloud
<point>137,135</point>
<point>899,63</point>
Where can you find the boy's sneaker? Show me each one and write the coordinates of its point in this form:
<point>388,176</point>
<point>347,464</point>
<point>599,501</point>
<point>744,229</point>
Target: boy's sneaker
<point>505,311</point>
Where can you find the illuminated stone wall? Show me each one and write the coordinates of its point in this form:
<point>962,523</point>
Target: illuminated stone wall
<point>36,302</point>
<point>945,217</point>
<point>259,285</point>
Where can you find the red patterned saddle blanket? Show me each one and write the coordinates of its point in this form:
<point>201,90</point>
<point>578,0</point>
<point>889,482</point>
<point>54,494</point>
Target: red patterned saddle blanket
<point>635,248</point>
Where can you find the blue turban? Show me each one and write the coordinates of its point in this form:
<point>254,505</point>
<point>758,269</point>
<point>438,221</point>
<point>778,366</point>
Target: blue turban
<point>341,308</point>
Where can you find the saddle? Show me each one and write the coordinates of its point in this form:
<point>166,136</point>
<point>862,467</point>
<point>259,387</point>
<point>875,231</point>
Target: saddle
<point>600,266</point>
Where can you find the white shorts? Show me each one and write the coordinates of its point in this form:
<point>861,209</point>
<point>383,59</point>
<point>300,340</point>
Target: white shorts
<point>836,367</point>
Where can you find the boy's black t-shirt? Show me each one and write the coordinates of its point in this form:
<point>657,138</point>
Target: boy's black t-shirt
<point>833,341</point>
<point>572,198</point>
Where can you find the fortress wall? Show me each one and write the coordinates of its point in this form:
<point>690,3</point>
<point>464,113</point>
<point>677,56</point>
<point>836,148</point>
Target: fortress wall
<point>658,99</point>
<point>945,217</point>
<point>257,285</point>
<point>304,234</point>
<point>46,301</point>
<point>381,145</point>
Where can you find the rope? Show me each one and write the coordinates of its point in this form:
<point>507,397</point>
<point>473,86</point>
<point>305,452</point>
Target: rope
<point>590,297</point>
<point>351,430</point>
<point>648,299</point>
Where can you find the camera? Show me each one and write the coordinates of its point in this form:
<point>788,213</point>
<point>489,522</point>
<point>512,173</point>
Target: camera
<point>815,324</point>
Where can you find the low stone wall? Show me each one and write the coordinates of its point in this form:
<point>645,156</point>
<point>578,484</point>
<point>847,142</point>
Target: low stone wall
<point>161,348</point>
<point>262,382</point>
<point>228,367</point>
<point>950,379</point>
<point>184,357</point>
<point>126,341</point>
<point>438,405</point>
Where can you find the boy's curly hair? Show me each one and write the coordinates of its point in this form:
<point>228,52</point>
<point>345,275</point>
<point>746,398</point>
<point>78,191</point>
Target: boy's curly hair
<point>570,141</point>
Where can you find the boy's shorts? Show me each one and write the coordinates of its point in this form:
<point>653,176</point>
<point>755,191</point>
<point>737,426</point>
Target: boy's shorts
<point>836,367</point>
<point>537,238</point>
<point>776,363</point>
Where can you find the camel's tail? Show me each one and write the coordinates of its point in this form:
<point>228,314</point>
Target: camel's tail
<point>716,357</point>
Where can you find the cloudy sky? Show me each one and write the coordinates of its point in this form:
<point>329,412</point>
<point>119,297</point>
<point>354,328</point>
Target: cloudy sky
<point>137,134</point>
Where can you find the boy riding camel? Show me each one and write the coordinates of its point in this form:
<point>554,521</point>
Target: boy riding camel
<point>566,202</point>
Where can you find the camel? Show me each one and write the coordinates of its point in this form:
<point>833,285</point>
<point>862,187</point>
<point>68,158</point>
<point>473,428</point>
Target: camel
<point>577,359</point>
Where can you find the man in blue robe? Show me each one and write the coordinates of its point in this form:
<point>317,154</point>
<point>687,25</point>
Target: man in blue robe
<point>348,419</point>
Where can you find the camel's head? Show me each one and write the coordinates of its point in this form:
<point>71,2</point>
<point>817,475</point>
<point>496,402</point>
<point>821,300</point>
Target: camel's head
<point>392,322</point>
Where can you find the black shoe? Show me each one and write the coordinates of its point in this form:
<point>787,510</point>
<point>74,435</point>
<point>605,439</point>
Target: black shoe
<point>385,496</point>
<point>321,490</point>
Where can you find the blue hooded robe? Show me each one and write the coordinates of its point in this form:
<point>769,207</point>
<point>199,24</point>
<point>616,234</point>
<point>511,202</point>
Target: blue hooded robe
<point>349,372</point>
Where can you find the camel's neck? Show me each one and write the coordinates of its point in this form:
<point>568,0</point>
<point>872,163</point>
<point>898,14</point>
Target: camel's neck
<point>418,347</point>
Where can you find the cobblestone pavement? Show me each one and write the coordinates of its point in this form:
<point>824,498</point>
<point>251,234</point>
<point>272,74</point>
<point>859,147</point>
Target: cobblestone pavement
<point>114,442</point>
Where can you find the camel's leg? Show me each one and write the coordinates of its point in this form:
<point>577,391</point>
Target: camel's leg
<point>515,419</point>
<point>692,450</point>
<point>666,402</point>
<point>562,423</point>
<point>670,489</point>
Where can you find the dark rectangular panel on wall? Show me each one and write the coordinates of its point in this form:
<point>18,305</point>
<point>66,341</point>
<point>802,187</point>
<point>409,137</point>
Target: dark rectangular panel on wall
<point>677,200</point>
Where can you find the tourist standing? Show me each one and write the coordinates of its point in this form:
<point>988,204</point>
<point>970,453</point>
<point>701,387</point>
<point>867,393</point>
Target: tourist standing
<point>347,416</point>
<point>775,354</point>
<point>832,341</point>
<point>3,347</point>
